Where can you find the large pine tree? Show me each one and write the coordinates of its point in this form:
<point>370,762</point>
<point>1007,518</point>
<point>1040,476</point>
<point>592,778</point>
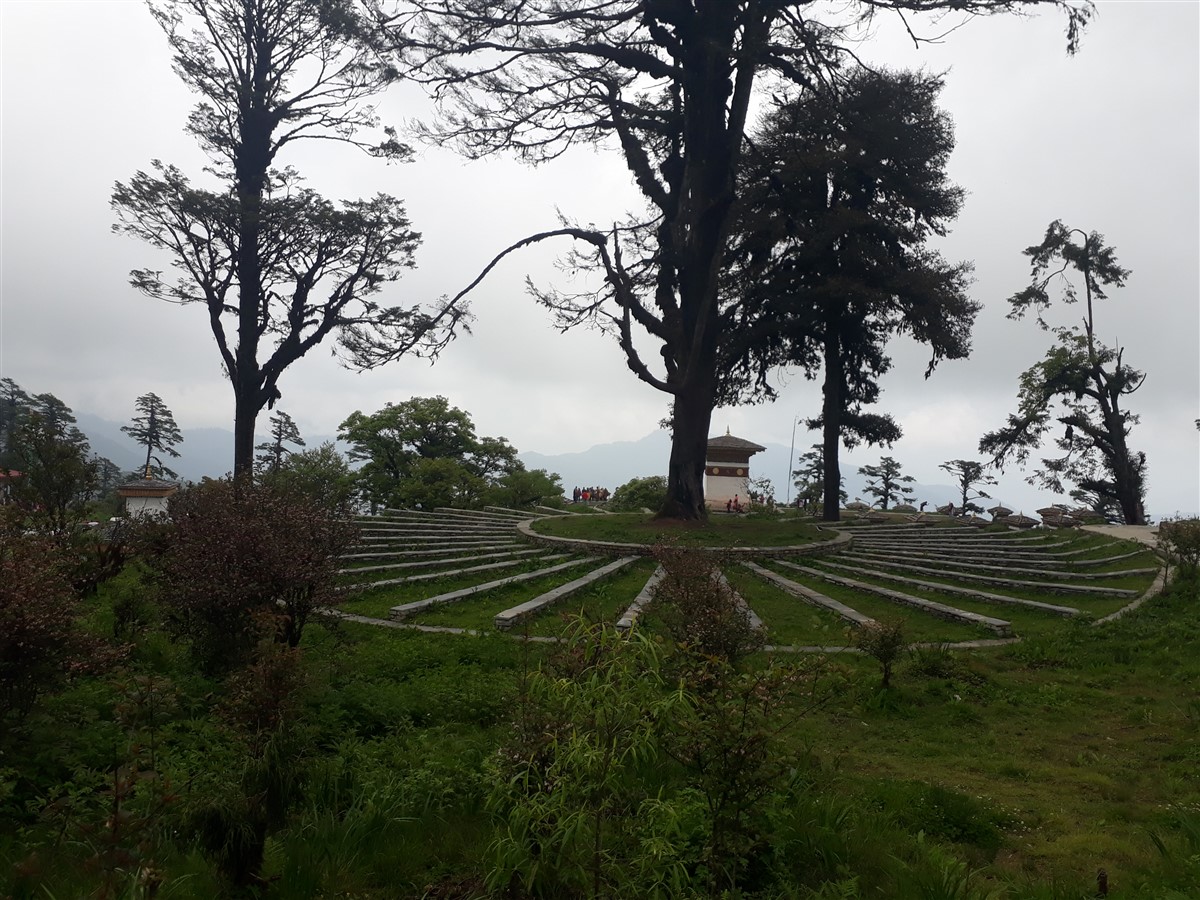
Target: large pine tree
<point>842,190</point>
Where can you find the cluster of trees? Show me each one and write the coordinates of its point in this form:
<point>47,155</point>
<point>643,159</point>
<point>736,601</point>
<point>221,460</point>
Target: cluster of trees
<point>800,241</point>
<point>425,452</point>
<point>888,484</point>
<point>741,236</point>
<point>49,470</point>
<point>420,452</point>
<point>1079,389</point>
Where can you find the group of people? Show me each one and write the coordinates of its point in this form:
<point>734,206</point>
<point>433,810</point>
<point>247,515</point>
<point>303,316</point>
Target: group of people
<point>589,495</point>
<point>733,504</point>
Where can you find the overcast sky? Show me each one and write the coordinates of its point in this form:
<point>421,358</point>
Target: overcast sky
<point>1108,140</point>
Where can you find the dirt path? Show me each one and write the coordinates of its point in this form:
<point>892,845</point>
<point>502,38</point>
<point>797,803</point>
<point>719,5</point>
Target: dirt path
<point>1147,534</point>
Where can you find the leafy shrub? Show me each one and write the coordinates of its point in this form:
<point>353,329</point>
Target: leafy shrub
<point>883,641</point>
<point>521,488</point>
<point>319,473</point>
<point>699,608</point>
<point>572,788</point>
<point>239,563</point>
<point>1180,540</point>
<point>934,662</point>
<point>37,614</point>
<point>637,493</point>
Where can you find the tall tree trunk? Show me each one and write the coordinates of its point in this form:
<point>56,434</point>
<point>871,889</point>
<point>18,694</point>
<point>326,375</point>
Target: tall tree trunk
<point>831,420</point>
<point>252,167</point>
<point>1127,483</point>
<point>244,416</point>
<point>689,449</point>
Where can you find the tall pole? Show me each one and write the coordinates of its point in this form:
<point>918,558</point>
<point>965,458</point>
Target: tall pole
<point>791,455</point>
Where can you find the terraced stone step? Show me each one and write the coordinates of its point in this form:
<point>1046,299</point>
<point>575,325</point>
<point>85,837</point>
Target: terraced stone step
<point>434,526</point>
<point>959,565</point>
<point>449,573</point>
<point>1055,587</point>
<point>1000,627</point>
<point>392,554</point>
<point>1027,557</point>
<point>443,514</point>
<point>430,563</point>
<point>751,616</point>
<point>808,595</point>
<point>511,513</point>
<point>1004,553</point>
<point>969,593</point>
<point>921,528</point>
<point>404,610</point>
<point>447,539</point>
<point>980,542</point>
<point>510,617</point>
<point>438,528</point>
<point>641,601</point>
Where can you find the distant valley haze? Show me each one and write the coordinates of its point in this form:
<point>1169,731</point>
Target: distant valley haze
<point>208,452</point>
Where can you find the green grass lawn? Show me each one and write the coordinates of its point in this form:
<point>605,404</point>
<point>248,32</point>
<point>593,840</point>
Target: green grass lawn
<point>1082,742</point>
<point>604,601</point>
<point>1031,765</point>
<point>478,611</point>
<point>378,601</point>
<point>787,619</point>
<point>918,625</point>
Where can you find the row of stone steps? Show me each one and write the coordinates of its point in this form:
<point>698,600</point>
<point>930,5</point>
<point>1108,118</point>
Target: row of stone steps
<point>1020,567</point>
<point>449,541</point>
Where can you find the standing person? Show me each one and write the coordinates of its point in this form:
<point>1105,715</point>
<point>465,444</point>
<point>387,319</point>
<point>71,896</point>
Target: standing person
<point>575,494</point>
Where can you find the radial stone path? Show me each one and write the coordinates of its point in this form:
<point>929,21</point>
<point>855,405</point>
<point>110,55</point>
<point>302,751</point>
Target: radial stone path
<point>472,571</point>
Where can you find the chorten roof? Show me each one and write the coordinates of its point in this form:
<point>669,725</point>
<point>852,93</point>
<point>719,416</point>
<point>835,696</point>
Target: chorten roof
<point>728,441</point>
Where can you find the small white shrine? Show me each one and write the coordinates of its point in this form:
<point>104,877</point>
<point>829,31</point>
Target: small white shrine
<point>147,496</point>
<point>727,470</point>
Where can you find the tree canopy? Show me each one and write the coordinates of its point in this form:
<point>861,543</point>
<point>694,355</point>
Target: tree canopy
<point>283,431</point>
<point>672,84</point>
<point>58,472</point>
<point>1080,384</point>
<point>155,429</point>
<point>319,473</point>
<point>886,483</point>
<point>278,268</point>
<point>425,451</point>
<point>969,474</point>
<point>809,478</point>
<point>841,191</point>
